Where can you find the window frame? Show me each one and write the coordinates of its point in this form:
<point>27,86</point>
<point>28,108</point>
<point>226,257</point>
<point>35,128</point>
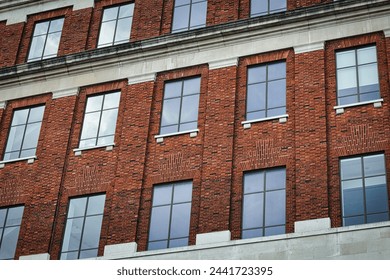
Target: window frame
<point>4,226</point>
<point>269,11</point>
<point>188,27</point>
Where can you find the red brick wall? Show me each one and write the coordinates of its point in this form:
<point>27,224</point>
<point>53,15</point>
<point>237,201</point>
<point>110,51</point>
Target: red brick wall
<point>10,36</point>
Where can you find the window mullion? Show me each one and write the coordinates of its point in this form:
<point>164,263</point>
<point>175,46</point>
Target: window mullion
<point>264,200</point>
<point>44,45</point>
<point>24,133</point>
<point>116,25</point>
<point>100,120</point>
<point>82,228</point>
<point>181,103</point>
<point>170,216</point>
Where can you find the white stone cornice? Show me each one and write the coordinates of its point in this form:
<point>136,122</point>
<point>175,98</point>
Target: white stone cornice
<point>65,93</point>
<point>309,47</point>
<point>387,33</point>
<point>223,63</point>
<point>141,79</point>
<point>3,104</point>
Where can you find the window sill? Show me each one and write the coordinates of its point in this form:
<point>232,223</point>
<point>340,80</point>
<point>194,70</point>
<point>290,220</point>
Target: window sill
<point>29,160</point>
<point>160,138</point>
<point>341,108</point>
<point>78,151</point>
<point>248,124</point>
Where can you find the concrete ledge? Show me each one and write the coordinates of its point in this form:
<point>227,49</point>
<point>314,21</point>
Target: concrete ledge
<point>213,237</point>
<point>312,225</point>
<point>387,33</point>
<point>36,257</point>
<point>309,47</point>
<point>141,79</point>
<point>65,93</point>
<point>3,104</point>
<point>122,250</point>
<point>223,63</point>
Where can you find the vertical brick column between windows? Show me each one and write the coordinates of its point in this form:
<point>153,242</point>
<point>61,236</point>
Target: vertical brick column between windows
<point>222,11</point>
<point>218,151</point>
<point>310,136</point>
<point>10,36</point>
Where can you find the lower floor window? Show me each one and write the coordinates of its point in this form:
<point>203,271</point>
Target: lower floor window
<point>10,220</point>
<point>264,203</point>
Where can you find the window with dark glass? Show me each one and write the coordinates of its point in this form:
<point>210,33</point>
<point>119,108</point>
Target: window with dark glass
<point>10,220</point>
<point>46,39</point>
<point>24,133</point>
<point>357,75</point>
<point>116,25</point>
<point>189,14</point>
<point>364,190</point>
<point>265,7</point>
<point>83,226</point>
<point>266,91</point>
<point>180,107</point>
<point>171,213</point>
<point>100,118</point>
<point>264,203</point>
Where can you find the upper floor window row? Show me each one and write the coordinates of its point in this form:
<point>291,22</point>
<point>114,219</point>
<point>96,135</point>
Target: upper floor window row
<point>265,7</point>
<point>189,14</point>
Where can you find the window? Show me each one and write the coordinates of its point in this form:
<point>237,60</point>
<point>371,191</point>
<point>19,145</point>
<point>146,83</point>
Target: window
<point>83,226</point>
<point>24,133</point>
<point>357,75</point>
<point>10,220</point>
<point>265,7</point>
<point>364,190</point>
<point>180,107</point>
<point>266,91</point>
<point>189,14</point>
<point>46,39</point>
<point>116,25</point>
<point>100,118</point>
<point>264,205</point>
<point>170,218</point>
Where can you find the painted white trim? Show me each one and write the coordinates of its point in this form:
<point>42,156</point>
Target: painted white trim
<point>109,147</point>
<point>340,108</point>
<point>282,119</point>
<point>160,138</point>
<point>387,33</point>
<point>28,159</point>
<point>309,47</point>
<point>36,257</point>
<point>3,104</point>
<point>149,77</point>
<point>223,63</point>
<point>65,93</point>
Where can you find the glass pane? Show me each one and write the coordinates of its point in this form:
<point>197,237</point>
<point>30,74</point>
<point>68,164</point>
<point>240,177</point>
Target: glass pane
<point>277,5</point>
<point>277,71</point>
<point>8,156</point>
<point>257,74</point>
<point>91,234</point>
<point>374,165</point>
<point>251,233</point>
<point>276,112</point>
<point>347,100</point>
<point>354,221</point>
<point>14,217</point>
<point>252,211</point>
<point>191,86</point>
<point>353,201</point>
<point>169,129</point>
<point>172,89</point>
<point>181,18</point>
<point>162,195</point>
<point>111,100</point>
<point>346,59</point>
<point>346,82</point>
<point>126,10</point>
<point>259,7</point>
<point>87,143</point>
<point>15,138</point>
<point>376,194</point>
<point>275,208</point>
<point>180,222</point>
<point>90,125</point>
<point>158,245</point>
<point>253,182</point>
<point>198,14</point>
<point>351,168</point>
<point>107,140</point>
<point>32,135</point>
<point>108,122</point>
<point>277,93</point>
<point>171,110</point>
<point>367,55</point>
<point>52,43</point>
<point>182,192</point>
<point>94,103</point>
<point>41,28</point>
<point>181,2</point>
<point>88,254</point>
<point>28,153</point>
<point>159,224</point>
<point>56,25</point>
<point>188,126</point>
<point>189,110</point>
<point>3,212</point>
<point>69,256</point>
<point>275,179</point>
<point>256,98</point>
<point>369,96</point>
<point>77,207</point>
<point>36,114</point>
<point>106,36</point>
<point>9,242</point>
<point>96,204</point>
<point>20,117</point>
<point>255,115</point>
<point>376,218</point>
<point>275,230</point>
<point>72,235</point>
<point>368,78</point>
<point>36,48</point>
<point>110,14</point>
<point>178,243</point>
<point>123,30</point>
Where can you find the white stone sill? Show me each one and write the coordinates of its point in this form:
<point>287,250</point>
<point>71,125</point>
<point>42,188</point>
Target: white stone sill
<point>29,160</point>
<point>341,108</point>
<point>109,147</point>
<point>160,138</point>
<point>248,124</point>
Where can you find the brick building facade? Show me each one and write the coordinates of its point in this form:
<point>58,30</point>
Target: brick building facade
<point>205,129</point>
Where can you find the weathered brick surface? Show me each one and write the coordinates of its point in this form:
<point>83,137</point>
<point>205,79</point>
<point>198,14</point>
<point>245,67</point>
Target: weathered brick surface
<point>10,36</point>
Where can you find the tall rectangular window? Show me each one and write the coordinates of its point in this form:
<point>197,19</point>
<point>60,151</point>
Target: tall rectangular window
<point>100,118</point>
<point>180,107</point>
<point>46,39</point>
<point>83,226</point>
<point>170,218</point>
<point>24,133</point>
<point>266,91</point>
<point>116,25</point>
<point>265,7</point>
<point>10,220</point>
<point>364,190</point>
<point>189,14</point>
<point>264,203</point>
<point>357,75</point>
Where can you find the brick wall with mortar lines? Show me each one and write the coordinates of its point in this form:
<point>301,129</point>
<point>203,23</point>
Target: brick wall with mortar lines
<point>359,130</point>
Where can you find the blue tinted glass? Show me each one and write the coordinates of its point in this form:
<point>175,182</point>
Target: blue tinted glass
<point>253,211</point>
